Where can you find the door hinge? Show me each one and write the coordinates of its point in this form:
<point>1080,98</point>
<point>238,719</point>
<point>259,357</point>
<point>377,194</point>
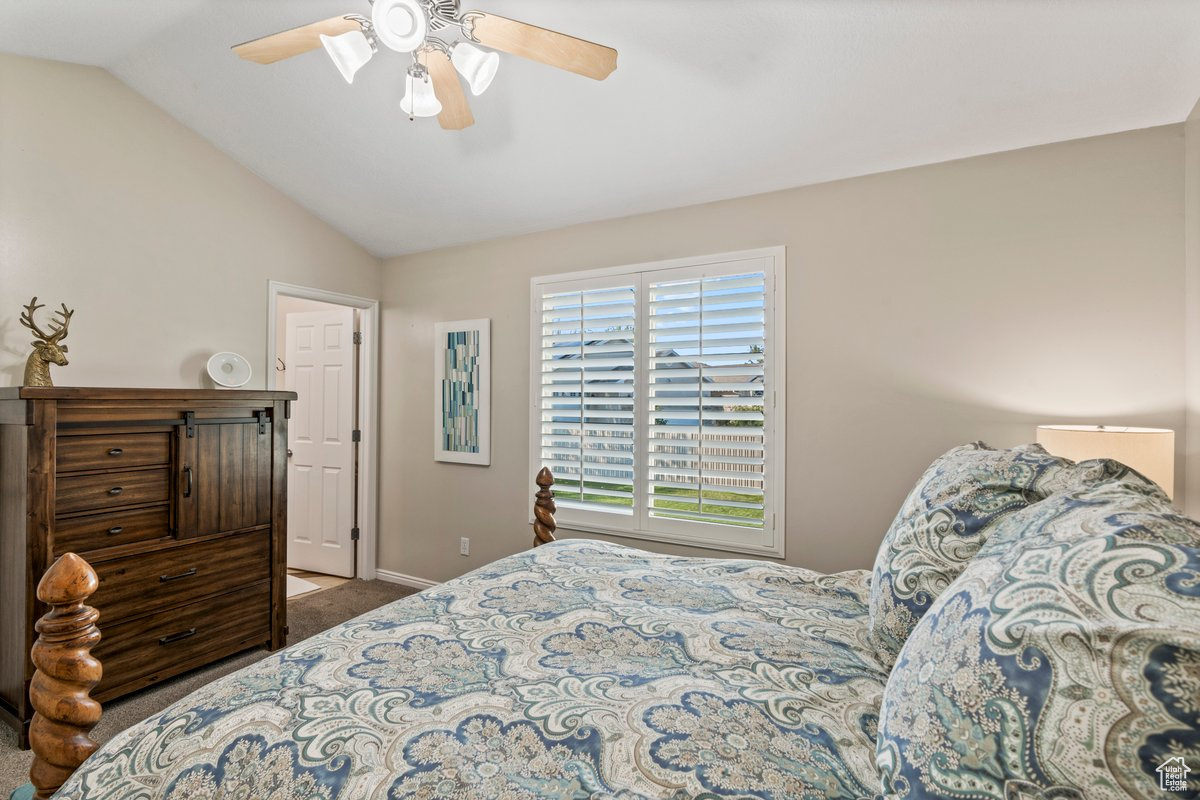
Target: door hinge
<point>356,435</point>
<point>358,337</point>
<point>354,534</point>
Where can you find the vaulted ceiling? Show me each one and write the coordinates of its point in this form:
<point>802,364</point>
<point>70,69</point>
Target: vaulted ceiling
<point>710,99</point>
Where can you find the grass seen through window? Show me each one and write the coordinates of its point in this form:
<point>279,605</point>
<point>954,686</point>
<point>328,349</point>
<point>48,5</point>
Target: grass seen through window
<point>568,489</point>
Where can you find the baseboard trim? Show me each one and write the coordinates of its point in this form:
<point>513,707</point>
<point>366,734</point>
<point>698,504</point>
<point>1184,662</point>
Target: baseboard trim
<point>403,580</point>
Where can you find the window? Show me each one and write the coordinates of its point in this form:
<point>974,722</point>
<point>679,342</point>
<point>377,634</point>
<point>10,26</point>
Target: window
<point>657,399</point>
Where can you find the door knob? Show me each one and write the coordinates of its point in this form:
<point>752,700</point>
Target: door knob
<point>289,452</point>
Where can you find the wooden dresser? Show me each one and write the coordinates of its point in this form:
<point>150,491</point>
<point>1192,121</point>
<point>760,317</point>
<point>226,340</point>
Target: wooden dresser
<point>176,497</point>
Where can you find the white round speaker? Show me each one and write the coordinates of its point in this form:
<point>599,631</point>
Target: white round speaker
<point>229,370</point>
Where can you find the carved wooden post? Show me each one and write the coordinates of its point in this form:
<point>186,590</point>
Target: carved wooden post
<point>66,672</point>
<point>543,509</point>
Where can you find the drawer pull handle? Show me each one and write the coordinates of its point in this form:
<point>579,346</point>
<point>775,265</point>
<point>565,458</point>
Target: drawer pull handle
<point>188,574</point>
<point>187,489</point>
<point>116,451</point>
<point>175,637</point>
<point>115,529</point>
<point>116,490</point>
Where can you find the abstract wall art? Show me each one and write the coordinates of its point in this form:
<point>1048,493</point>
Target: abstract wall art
<point>462,391</point>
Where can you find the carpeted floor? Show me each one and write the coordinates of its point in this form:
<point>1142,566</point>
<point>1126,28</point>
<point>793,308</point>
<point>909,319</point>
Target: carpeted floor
<point>307,615</point>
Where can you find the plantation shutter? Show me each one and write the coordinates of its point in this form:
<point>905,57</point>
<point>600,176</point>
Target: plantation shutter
<point>705,446</point>
<point>587,396</point>
<point>657,399</point>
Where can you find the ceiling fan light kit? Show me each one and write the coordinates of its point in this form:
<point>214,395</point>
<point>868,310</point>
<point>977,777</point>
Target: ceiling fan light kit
<point>349,51</point>
<point>407,26</point>
<point>420,100</point>
<point>477,67</point>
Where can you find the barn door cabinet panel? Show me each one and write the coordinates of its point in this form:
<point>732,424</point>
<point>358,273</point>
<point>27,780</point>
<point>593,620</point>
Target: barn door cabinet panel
<point>177,497</point>
<point>225,475</point>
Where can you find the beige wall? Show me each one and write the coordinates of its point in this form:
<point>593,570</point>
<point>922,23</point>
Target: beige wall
<point>926,308</point>
<point>162,244</point>
<point>1188,491</point>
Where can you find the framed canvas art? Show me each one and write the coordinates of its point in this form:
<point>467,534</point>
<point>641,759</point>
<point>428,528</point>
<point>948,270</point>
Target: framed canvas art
<point>462,388</point>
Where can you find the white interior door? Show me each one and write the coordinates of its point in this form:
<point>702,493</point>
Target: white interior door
<point>320,369</point>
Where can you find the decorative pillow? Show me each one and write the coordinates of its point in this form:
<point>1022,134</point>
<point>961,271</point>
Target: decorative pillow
<point>1086,474</point>
<point>1063,664</point>
<point>943,522</point>
<point>1102,479</point>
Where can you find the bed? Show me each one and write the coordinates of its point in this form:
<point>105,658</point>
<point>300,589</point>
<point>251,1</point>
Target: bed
<point>578,669</point>
<point>1030,631</point>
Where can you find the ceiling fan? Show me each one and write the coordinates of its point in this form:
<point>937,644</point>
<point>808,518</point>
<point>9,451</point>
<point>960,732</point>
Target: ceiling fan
<point>417,27</point>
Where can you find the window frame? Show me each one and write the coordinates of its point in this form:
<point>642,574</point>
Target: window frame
<point>636,524</point>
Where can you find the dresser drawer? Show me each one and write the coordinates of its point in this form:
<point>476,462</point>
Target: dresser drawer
<point>147,650</point>
<point>81,534</point>
<point>143,583</point>
<point>113,451</point>
<point>112,490</point>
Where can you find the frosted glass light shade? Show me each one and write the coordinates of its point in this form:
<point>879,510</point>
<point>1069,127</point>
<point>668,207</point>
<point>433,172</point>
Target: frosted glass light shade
<point>1151,451</point>
<point>476,66</point>
<point>419,100</point>
<point>349,51</point>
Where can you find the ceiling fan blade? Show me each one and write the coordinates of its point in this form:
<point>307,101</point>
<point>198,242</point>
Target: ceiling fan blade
<point>278,46</point>
<point>539,44</point>
<point>456,114</point>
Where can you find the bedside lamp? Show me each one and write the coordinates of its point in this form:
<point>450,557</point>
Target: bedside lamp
<point>1151,451</point>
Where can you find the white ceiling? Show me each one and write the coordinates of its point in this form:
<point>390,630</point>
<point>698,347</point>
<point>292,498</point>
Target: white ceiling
<point>711,99</point>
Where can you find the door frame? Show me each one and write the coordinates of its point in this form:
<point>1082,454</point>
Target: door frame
<point>368,405</point>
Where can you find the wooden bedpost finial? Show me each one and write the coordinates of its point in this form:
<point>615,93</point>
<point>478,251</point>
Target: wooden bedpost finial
<point>544,508</point>
<point>66,672</point>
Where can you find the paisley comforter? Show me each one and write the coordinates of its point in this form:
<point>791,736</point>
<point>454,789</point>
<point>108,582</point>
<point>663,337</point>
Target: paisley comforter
<point>578,670</point>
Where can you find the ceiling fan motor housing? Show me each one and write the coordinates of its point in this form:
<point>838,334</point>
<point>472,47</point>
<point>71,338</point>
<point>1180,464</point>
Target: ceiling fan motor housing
<point>400,24</point>
<point>441,10</point>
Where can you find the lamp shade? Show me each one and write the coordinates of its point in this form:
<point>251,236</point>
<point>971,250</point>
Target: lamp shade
<point>420,100</point>
<point>477,67</point>
<point>349,51</point>
<point>1150,451</point>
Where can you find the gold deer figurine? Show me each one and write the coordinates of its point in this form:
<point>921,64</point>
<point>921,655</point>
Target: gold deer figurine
<point>46,348</point>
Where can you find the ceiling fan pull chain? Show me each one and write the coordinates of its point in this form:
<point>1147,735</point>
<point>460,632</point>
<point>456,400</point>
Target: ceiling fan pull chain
<point>411,116</point>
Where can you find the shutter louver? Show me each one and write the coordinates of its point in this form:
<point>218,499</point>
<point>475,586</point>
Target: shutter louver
<point>705,448</point>
<point>587,396</point>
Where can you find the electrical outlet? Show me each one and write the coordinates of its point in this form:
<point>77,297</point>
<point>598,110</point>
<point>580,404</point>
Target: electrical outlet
<point>464,546</point>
